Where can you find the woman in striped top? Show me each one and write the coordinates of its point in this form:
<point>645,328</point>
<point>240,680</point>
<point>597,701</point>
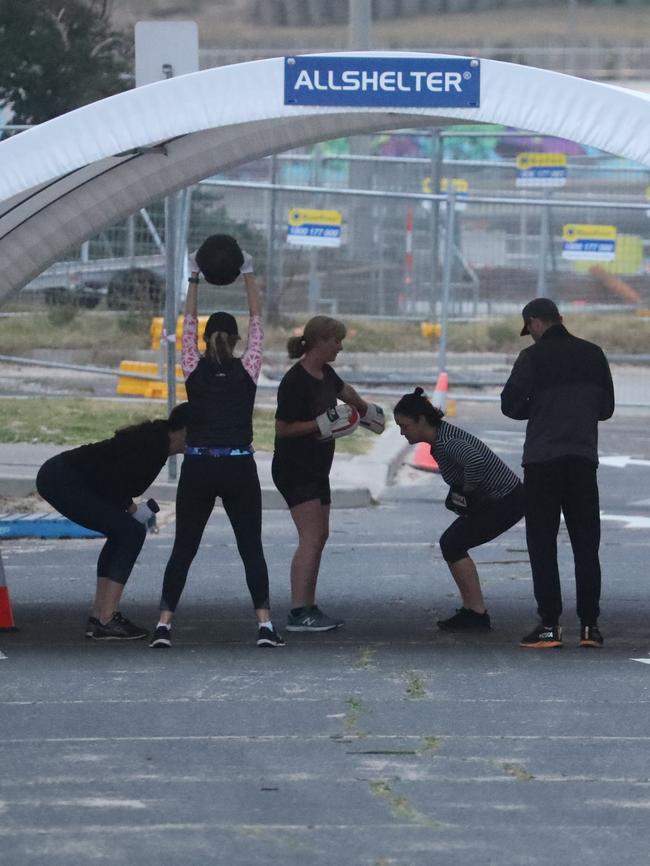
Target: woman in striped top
<point>485,493</point>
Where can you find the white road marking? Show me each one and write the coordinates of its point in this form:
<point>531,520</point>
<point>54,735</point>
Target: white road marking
<point>620,461</point>
<point>643,661</point>
<point>631,521</point>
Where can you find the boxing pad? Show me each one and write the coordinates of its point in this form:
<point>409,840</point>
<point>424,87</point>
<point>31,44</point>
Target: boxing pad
<point>374,419</point>
<point>219,259</point>
<point>456,501</point>
<point>338,421</point>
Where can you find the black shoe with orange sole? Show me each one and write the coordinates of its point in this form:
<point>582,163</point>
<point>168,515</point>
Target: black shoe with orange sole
<point>590,636</point>
<point>543,637</point>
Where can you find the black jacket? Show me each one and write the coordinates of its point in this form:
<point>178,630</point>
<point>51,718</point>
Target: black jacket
<point>563,386</point>
<point>123,467</point>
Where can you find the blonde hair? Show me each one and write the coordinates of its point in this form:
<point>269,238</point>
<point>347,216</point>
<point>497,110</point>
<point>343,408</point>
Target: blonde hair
<point>317,329</point>
<point>220,347</point>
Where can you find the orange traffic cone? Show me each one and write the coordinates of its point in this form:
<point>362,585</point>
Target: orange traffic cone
<point>6,618</point>
<point>439,398</point>
<point>423,459</point>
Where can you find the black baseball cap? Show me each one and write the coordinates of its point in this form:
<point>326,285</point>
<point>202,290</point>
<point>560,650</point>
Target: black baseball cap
<point>223,322</point>
<point>539,308</point>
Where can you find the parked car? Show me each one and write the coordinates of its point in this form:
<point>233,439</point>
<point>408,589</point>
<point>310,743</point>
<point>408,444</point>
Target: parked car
<point>87,294</point>
<point>135,288</point>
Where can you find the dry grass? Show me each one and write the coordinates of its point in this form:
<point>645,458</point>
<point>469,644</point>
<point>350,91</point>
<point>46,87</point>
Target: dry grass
<point>224,24</point>
<point>102,335</point>
<point>104,342</point>
<point>77,421</point>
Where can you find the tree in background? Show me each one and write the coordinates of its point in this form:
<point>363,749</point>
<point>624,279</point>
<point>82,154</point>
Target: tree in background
<point>56,55</point>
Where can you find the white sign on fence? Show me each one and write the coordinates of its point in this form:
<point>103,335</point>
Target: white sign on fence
<point>583,242</point>
<point>308,227</point>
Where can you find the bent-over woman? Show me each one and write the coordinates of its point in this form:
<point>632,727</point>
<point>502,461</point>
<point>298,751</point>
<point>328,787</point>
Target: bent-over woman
<point>484,492</point>
<point>95,485</point>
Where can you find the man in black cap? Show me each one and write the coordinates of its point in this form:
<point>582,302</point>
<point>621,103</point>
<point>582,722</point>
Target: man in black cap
<point>563,386</point>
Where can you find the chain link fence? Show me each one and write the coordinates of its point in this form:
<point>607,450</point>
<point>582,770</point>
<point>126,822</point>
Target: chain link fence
<point>396,261</point>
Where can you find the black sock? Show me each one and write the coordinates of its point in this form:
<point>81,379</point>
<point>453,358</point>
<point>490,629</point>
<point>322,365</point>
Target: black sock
<point>296,611</point>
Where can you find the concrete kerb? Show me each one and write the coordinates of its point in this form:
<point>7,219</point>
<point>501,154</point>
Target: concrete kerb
<point>357,481</point>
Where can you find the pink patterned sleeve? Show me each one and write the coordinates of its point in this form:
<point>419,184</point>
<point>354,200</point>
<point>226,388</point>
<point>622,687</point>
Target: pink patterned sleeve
<point>190,344</point>
<point>252,357</point>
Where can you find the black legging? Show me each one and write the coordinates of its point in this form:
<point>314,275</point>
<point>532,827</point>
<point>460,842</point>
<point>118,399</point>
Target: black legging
<point>235,480</point>
<point>492,518</point>
<point>65,489</point>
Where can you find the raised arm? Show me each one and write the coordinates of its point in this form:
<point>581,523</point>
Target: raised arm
<point>252,357</point>
<point>190,341</point>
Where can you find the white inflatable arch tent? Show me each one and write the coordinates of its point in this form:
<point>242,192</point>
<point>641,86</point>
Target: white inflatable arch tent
<point>64,180</point>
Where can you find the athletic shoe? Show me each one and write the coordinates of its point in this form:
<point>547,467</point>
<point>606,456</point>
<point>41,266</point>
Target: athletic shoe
<point>162,637</point>
<point>466,620</point>
<point>90,625</point>
<point>118,628</point>
<point>268,637</point>
<point>590,636</point>
<point>543,637</point>
<point>312,619</point>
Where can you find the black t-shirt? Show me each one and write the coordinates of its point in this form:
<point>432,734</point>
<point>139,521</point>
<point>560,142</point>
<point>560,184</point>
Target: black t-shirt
<point>123,467</point>
<point>302,397</point>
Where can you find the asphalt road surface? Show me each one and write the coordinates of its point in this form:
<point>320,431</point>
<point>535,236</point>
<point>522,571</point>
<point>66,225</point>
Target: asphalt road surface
<point>385,742</point>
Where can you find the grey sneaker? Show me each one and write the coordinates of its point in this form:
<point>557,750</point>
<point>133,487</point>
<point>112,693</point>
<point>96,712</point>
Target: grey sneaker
<point>311,619</point>
<point>118,628</point>
<point>90,625</point>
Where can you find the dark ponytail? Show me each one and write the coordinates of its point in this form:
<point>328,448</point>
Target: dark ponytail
<point>415,405</point>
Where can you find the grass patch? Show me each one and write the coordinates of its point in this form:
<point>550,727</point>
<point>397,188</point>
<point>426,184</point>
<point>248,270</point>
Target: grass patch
<point>351,719</point>
<point>517,772</point>
<point>414,686</point>
<point>109,337</point>
<point>70,421</point>
<point>400,807</point>
<point>101,334</point>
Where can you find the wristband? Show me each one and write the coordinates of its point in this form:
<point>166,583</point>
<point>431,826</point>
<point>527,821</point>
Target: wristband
<point>194,280</point>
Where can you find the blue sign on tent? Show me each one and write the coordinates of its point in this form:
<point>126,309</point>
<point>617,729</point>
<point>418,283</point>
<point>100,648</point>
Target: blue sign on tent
<point>383,81</point>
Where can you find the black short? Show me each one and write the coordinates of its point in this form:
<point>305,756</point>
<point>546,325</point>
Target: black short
<point>492,518</point>
<point>297,488</point>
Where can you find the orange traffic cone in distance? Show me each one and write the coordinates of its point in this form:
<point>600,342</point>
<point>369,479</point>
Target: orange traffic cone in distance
<point>6,617</point>
<point>423,459</point>
<point>439,398</point>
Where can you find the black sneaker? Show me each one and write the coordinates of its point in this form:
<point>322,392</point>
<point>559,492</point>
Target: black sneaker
<point>268,637</point>
<point>91,625</point>
<point>590,636</point>
<point>118,628</point>
<point>312,619</point>
<point>543,637</point>
<point>162,637</point>
<point>466,620</point>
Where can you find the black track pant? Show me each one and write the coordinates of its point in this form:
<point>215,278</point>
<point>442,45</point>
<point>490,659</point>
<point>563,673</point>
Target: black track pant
<point>566,485</point>
<point>202,480</point>
<point>64,488</point>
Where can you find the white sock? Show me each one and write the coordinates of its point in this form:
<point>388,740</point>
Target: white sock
<point>166,625</point>
<point>268,624</point>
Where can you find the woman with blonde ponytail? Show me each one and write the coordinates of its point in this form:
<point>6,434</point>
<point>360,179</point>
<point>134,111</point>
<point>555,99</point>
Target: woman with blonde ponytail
<point>307,422</point>
<point>219,458</point>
